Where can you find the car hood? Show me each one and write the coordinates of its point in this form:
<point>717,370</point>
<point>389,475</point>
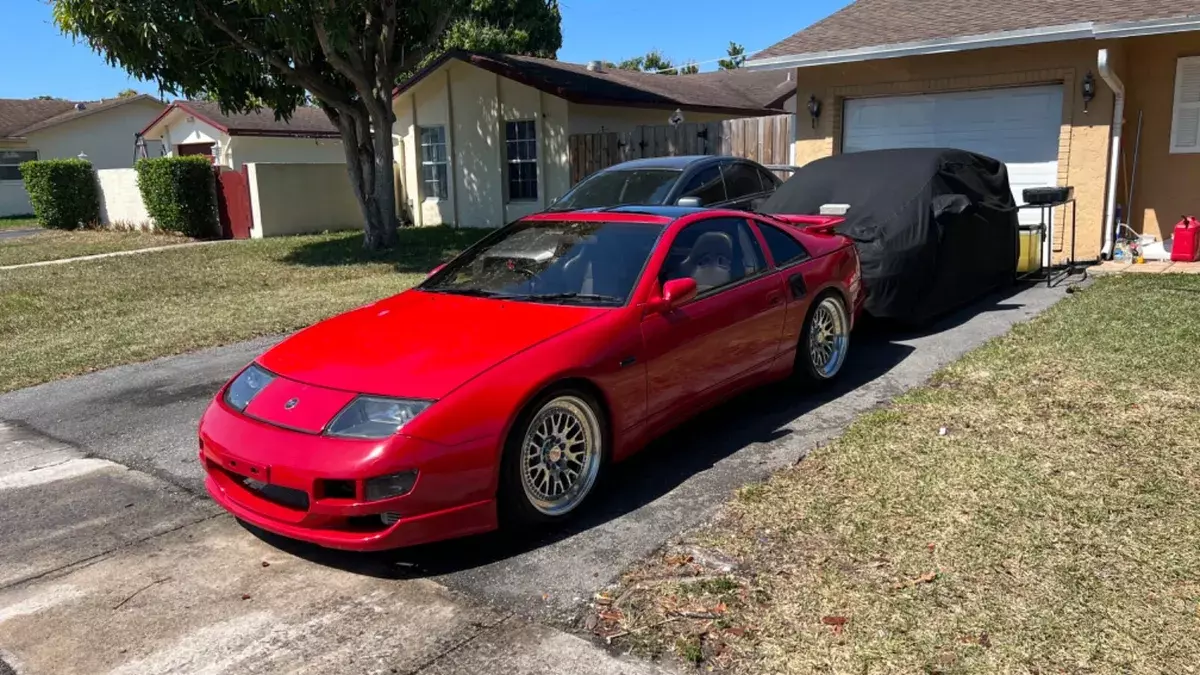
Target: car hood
<point>418,344</point>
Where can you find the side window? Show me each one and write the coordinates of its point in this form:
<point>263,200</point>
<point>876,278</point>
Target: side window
<point>784,248</point>
<point>715,252</point>
<point>741,180</point>
<point>769,180</point>
<point>707,185</point>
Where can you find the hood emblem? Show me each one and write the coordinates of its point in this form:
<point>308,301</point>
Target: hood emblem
<point>291,404</point>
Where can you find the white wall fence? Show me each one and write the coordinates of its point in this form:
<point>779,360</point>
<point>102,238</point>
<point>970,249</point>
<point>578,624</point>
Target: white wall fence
<point>120,200</point>
<point>285,198</point>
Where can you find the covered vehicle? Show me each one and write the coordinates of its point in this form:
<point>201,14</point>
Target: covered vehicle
<point>935,228</point>
<point>501,388</point>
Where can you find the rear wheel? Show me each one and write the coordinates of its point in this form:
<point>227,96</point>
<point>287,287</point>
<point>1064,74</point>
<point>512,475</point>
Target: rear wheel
<point>824,341</point>
<point>553,459</point>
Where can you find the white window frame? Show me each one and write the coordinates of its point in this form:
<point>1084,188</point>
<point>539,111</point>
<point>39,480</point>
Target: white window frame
<point>36,156</point>
<point>442,178</point>
<point>1177,106</point>
<point>509,162</point>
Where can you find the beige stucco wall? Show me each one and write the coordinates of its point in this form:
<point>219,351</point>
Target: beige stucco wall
<point>246,149</point>
<point>1084,139</point>
<point>277,210</point>
<point>1167,185</point>
<point>590,119</point>
<point>121,201</point>
<point>473,104</point>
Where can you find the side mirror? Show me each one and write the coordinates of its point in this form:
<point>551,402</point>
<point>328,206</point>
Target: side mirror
<point>435,270</point>
<point>691,202</point>
<point>678,291</point>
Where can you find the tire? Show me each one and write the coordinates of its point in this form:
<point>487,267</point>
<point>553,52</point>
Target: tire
<point>542,481</point>
<point>824,342</point>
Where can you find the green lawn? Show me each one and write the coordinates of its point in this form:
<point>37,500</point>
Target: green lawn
<point>61,320</point>
<point>1053,527</point>
<point>17,222</point>
<point>60,244</point>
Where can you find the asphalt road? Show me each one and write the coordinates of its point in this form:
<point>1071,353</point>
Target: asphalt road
<point>144,417</point>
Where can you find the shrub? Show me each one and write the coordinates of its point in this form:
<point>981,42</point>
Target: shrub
<point>180,194</point>
<point>63,192</point>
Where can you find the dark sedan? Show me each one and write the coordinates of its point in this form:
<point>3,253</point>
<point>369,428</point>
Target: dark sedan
<point>725,182</point>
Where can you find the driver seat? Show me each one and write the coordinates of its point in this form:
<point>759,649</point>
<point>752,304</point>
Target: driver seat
<point>711,261</point>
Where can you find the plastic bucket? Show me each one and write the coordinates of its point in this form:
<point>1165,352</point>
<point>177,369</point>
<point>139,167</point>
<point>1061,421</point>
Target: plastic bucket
<point>1030,257</point>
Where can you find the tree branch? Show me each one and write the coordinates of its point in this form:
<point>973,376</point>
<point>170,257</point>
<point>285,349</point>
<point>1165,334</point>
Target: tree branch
<point>389,32</point>
<point>347,69</point>
<point>409,62</point>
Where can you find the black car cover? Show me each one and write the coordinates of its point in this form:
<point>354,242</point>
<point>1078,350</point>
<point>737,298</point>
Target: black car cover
<point>934,228</point>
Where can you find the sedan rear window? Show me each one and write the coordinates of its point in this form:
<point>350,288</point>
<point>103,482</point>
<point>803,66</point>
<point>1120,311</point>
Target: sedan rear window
<point>562,262</point>
<point>615,188</point>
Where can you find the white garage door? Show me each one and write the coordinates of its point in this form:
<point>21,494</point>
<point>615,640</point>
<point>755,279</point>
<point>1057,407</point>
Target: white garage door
<point>1016,126</point>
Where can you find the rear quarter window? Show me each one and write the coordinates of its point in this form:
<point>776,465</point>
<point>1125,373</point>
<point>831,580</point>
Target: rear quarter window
<point>784,248</point>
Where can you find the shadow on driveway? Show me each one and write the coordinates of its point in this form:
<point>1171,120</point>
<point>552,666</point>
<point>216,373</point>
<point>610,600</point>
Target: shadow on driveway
<point>759,416</point>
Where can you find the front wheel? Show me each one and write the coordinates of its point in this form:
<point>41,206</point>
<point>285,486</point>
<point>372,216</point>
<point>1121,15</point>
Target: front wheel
<point>553,459</point>
<point>824,341</point>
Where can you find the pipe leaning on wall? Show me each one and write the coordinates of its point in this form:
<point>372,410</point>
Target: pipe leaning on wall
<point>1118,88</point>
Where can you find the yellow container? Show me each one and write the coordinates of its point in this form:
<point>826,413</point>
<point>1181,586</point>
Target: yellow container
<point>1030,258</point>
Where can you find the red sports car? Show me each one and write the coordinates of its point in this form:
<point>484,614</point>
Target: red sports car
<point>500,389</point>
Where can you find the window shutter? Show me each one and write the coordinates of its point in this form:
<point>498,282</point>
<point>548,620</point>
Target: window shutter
<point>1185,125</point>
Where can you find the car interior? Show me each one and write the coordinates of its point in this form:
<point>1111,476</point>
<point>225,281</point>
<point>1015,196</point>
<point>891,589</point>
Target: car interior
<point>714,253</point>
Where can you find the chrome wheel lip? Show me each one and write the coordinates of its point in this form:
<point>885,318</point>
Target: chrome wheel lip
<point>828,338</point>
<point>560,455</point>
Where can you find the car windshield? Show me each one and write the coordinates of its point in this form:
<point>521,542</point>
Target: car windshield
<point>560,262</point>
<point>615,188</point>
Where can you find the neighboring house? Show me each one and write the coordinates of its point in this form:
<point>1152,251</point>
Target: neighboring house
<point>200,128</point>
<point>104,131</point>
<point>483,138</point>
<point>1055,89</point>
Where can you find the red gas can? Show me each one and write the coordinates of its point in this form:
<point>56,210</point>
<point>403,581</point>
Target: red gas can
<point>1186,245</point>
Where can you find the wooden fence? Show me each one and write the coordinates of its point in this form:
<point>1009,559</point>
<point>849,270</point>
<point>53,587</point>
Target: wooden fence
<point>762,139</point>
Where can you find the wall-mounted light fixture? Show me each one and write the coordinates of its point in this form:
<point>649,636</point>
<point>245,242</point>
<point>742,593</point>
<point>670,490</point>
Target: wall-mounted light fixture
<point>814,109</point>
<point>1089,89</point>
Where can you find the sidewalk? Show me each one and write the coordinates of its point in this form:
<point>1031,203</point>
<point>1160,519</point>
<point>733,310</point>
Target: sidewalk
<point>1148,267</point>
<point>100,256</point>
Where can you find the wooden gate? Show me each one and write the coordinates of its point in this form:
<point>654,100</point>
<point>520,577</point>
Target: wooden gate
<point>233,202</point>
<point>765,140</point>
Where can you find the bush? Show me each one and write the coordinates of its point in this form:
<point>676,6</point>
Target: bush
<point>63,192</point>
<point>180,194</point>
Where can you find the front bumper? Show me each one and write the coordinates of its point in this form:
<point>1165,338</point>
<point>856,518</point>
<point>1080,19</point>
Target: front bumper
<point>310,487</point>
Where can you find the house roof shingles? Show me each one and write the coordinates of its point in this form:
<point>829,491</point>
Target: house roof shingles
<point>733,91</point>
<point>19,117</point>
<point>873,23</point>
<point>304,122</point>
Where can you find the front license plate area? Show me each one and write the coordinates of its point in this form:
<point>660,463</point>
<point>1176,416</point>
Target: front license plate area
<point>260,473</point>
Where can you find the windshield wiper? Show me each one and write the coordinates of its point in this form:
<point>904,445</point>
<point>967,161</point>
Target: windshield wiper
<point>593,297</point>
<point>473,292</point>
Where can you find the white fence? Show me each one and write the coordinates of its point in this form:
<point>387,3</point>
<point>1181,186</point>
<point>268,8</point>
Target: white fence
<point>301,198</point>
<point>121,201</point>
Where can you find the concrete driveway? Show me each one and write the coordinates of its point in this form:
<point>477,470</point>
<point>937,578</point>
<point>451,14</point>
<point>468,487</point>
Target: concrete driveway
<point>144,417</point>
<point>19,232</point>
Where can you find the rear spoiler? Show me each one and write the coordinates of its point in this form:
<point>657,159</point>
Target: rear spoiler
<point>831,216</point>
<point>818,224</point>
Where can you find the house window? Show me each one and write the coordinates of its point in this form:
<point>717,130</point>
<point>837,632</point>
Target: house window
<point>435,171</point>
<point>1185,123</point>
<point>10,162</point>
<point>520,141</point>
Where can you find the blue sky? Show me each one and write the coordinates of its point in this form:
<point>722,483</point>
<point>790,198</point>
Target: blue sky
<point>41,61</point>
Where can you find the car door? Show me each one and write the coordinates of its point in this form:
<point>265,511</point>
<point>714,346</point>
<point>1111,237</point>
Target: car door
<point>730,331</point>
<point>743,185</point>
<point>797,271</point>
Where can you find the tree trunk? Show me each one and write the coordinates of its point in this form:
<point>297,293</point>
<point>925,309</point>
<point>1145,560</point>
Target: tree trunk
<point>370,165</point>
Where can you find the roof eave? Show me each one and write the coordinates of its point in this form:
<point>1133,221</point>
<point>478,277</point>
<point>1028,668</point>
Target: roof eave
<point>283,134</point>
<point>1077,31</point>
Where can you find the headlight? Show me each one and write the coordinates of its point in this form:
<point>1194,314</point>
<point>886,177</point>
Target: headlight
<point>386,487</point>
<point>246,386</point>
<point>374,417</point>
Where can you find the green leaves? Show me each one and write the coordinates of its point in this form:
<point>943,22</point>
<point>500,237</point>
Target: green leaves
<point>180,194</point>
<point>63,192</point>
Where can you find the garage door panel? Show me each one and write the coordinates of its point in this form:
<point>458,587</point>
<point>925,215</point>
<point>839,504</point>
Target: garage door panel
<point>1020,127</point>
